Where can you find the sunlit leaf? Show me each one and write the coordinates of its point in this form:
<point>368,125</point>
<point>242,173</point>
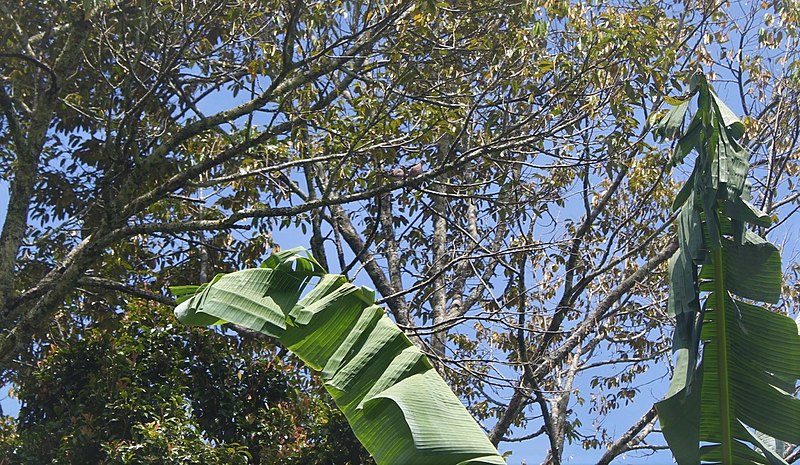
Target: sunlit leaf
<point>371,369</point>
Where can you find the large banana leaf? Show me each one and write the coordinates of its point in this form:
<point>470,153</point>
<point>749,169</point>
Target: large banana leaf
<point>737,362</point>
<point>396,403</point>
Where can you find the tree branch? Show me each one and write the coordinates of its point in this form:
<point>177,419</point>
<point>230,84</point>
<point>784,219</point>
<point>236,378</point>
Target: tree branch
<point>558,355</point>
<point>629,438</point>
<point>102,283</point>
<point>27,162</point>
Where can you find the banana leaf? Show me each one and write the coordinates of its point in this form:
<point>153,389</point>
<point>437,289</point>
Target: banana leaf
<point>731,399</point>
<point>398,406</point>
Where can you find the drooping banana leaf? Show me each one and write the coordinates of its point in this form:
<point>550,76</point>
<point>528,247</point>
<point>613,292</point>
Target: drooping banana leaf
<point>781,448</point>
<point>400,409</point>
<point>732,394</point>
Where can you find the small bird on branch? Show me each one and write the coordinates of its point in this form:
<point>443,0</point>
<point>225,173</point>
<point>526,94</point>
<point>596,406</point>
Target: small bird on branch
<point>403,172</point>
<point>415,170</point>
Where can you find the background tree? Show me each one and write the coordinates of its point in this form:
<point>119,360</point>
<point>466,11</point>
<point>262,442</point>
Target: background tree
<point>486,166</point>
<point>141,388</point>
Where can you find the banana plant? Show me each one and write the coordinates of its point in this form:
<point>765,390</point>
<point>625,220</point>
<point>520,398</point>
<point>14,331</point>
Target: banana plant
<point>398,406</point>
<point>736,361</point>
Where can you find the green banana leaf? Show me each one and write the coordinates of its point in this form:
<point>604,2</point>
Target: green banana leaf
<point>731,399</point>
<point>400,409</point>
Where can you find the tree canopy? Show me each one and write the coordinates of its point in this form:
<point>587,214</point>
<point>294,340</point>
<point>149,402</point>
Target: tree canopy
<point>488,167</point>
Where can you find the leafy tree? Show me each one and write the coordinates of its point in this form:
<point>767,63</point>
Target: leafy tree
<point>138,389</point>
<point>484,165</point>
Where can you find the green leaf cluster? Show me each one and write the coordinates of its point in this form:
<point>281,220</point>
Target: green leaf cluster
<point>145,391</point>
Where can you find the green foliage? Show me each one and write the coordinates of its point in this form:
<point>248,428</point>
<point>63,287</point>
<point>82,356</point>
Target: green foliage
<point>145,392</point>
<point>399,407</point>
<point>159,142</point>
<point>736,362</point>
